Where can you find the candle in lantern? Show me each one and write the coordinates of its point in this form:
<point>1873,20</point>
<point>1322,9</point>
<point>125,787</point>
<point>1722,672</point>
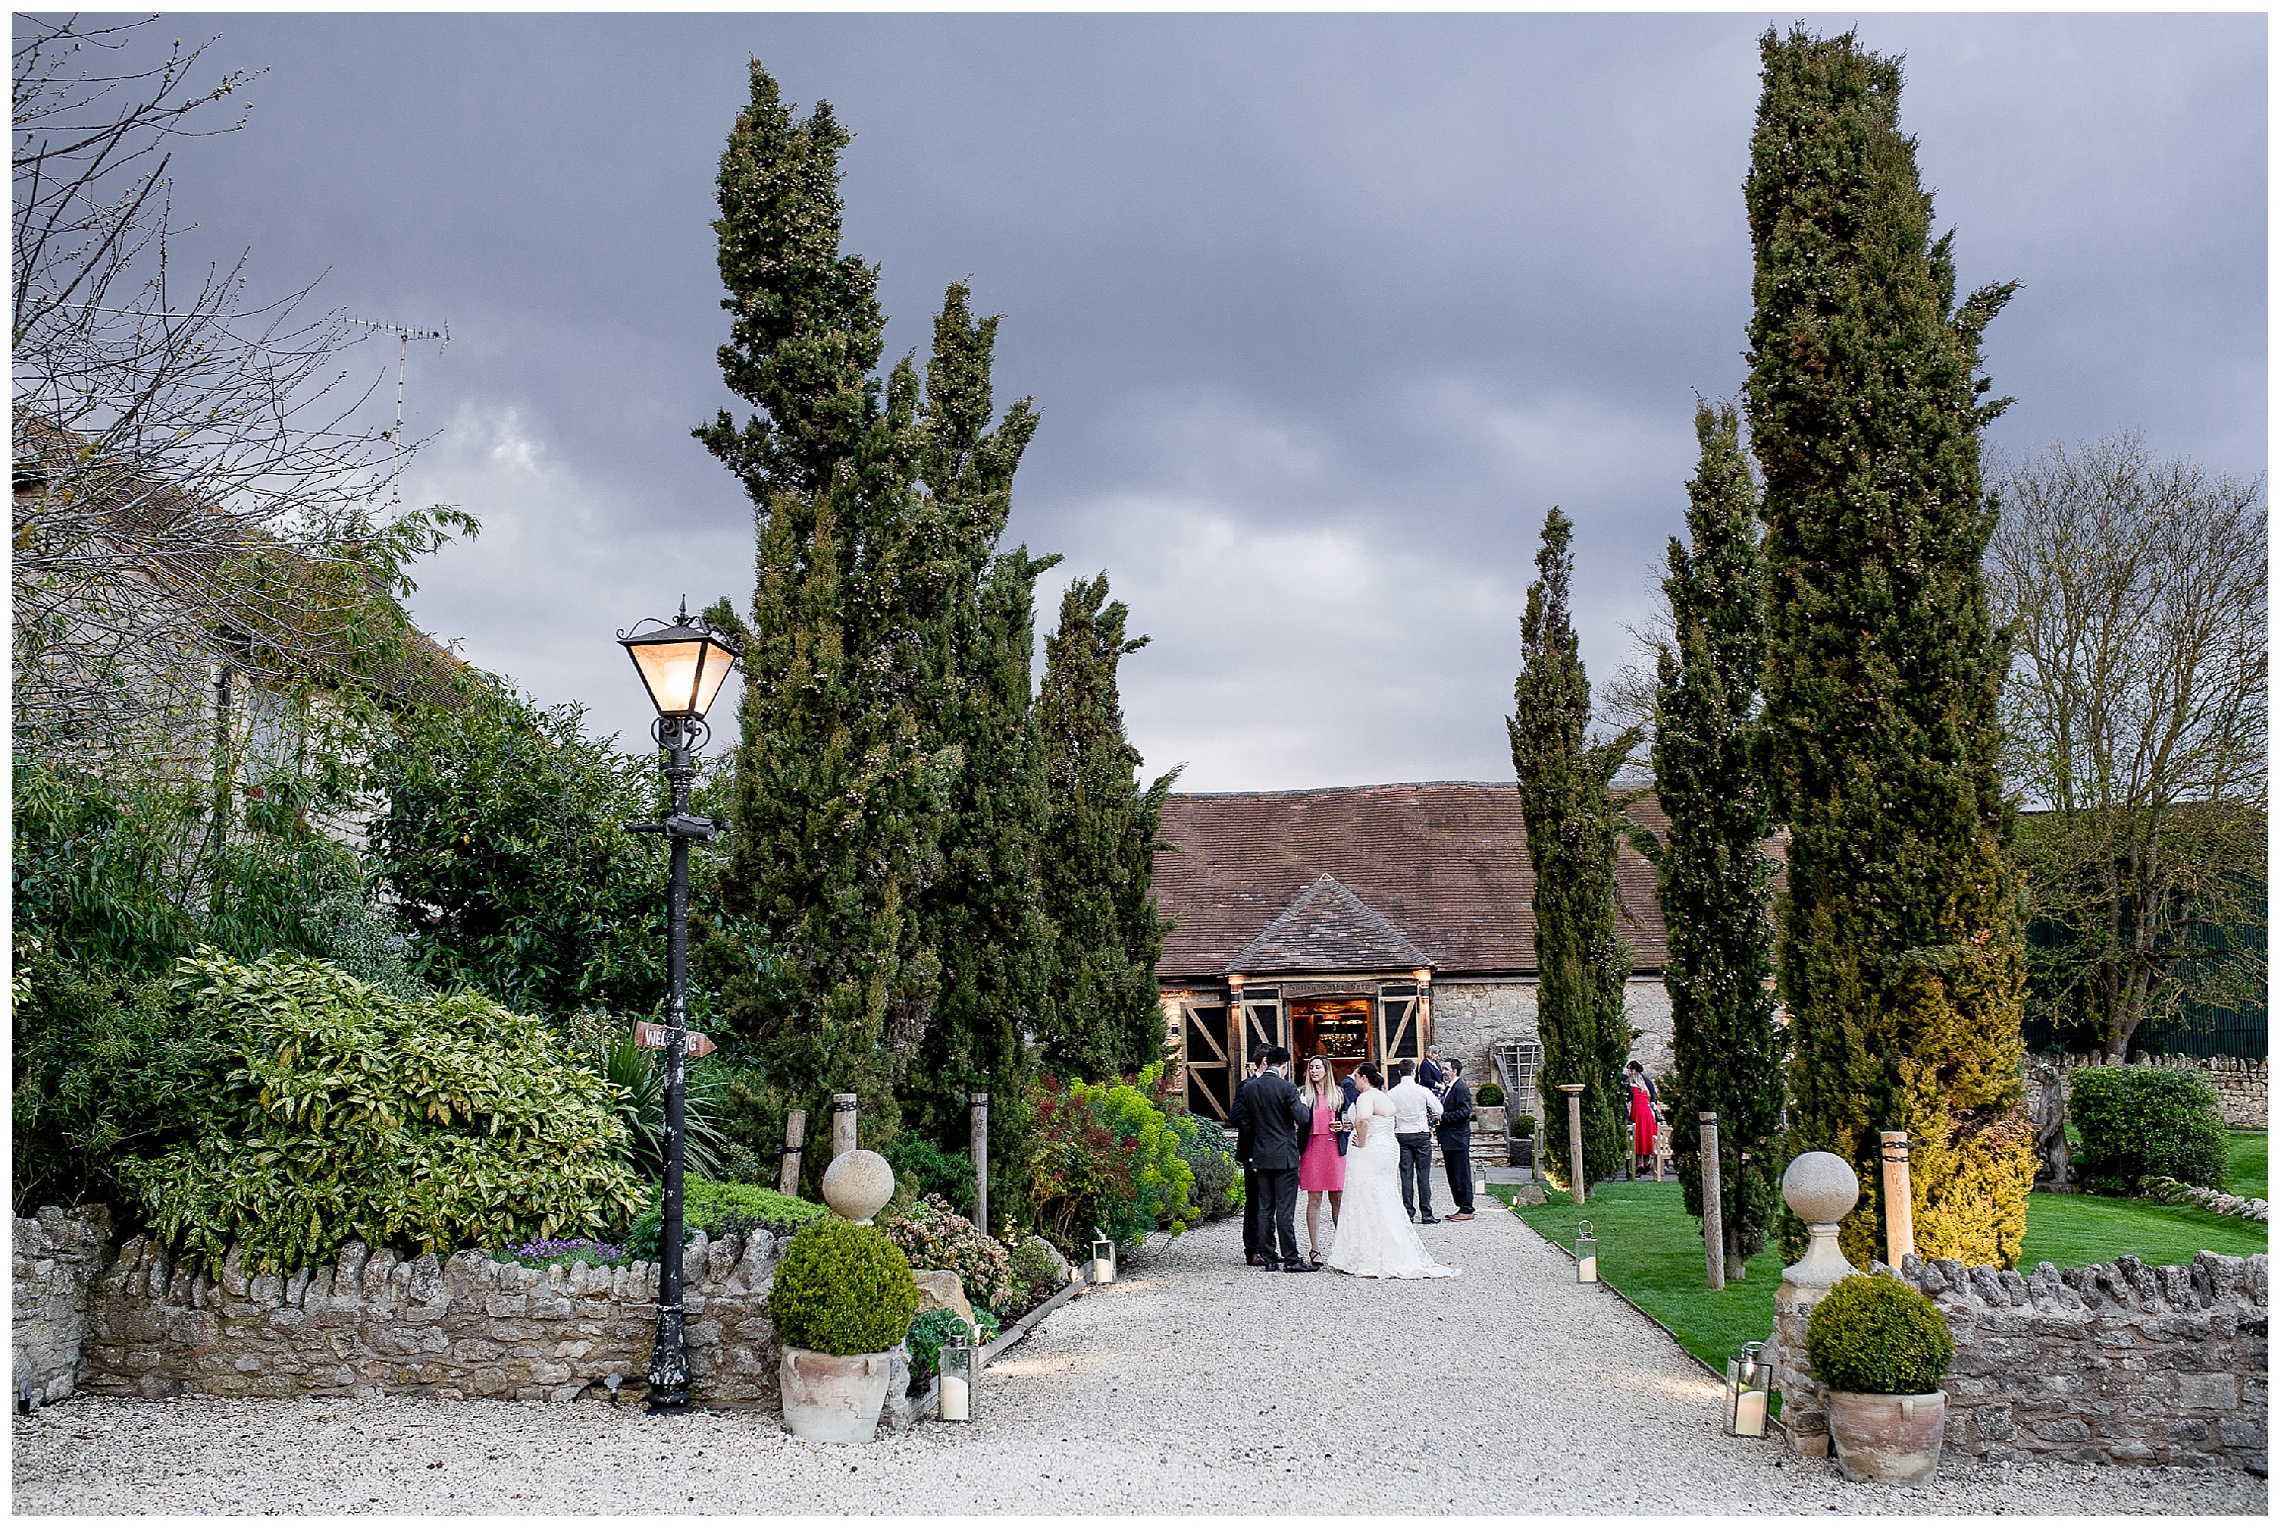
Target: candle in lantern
<point>954,1398</point>
<point>1587,1270</point>
<point>1749,1414</point>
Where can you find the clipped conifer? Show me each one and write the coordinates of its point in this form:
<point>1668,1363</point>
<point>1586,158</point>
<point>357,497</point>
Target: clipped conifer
<point>1715,880</point>
<point>1901,946</point>
<point>1573,825</point>
<point>1099,848</point>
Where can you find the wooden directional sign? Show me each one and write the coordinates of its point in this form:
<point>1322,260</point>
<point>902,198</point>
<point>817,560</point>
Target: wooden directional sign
<point>655,1037</point>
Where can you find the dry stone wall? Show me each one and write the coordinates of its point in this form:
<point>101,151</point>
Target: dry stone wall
<point>2117,1363</point>
<point>374,1323</point>
<point>58,1257</point>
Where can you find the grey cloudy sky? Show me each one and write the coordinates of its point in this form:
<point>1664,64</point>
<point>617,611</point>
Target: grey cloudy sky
<point>1321,312</point>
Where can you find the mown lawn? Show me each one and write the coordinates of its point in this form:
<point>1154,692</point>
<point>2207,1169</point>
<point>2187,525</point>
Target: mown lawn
<point>2248,1164</point>
<point>1651,1250</point>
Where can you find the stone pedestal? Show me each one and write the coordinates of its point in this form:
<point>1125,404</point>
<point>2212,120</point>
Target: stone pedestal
<point>1821,1188</point>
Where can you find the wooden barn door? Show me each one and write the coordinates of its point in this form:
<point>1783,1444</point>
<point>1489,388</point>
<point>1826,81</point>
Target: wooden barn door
<point>1264,1023</point>
<point>1400,1026</point>
<point>1210,1078</point>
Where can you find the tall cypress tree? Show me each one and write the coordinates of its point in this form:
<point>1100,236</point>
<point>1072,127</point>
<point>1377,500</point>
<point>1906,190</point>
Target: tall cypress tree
<point>1716,883</point>
<point>833,808</point>
<point>1573,824</point>
<point>982,915</point>
<point>1901,949</point>
<point>1100,846</point>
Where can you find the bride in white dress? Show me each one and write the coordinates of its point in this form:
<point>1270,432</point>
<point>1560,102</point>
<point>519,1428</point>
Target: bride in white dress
<point>1375,1239</point>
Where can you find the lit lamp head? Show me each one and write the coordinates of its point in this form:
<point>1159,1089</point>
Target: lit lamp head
<point>1586,1254</point>
<point>1749,1385</point>
<point>682,665</point>
<point>1103,1259</point>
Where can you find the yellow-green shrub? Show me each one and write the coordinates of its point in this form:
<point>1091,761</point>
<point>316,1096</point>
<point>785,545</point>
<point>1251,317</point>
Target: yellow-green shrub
<point>438,1123</point>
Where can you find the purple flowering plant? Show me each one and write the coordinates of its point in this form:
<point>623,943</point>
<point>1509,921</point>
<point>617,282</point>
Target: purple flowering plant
<point>565,1253</point>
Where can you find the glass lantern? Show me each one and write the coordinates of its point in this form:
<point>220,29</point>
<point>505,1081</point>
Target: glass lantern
<point>1586,1254</point>
<point>1103,1259</point>
<point>1749,1388</point>
<point>957,1359</point>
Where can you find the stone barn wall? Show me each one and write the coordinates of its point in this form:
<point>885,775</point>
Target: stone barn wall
<point>2117,1363</point>
<point>58,1258</point>
<point>1471,1016</point>
<point>375,1323</point>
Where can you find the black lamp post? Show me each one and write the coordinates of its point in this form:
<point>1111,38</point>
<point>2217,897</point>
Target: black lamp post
<point>682,665</point>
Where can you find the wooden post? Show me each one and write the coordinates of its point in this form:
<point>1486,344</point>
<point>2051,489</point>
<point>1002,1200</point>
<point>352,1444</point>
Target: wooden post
<point>795,1137</point>
<point>981,1149</point>
<point>1576,1169</point>
<point>1713,1207</point>
<point>842,1124</point>
<point>1899,1208</point>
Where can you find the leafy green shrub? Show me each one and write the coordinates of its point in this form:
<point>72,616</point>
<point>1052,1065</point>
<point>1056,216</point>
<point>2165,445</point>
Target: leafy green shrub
<point>719,1209</point>
<point>1037,1267</point>
<point>1520,1124</point>
<point>2140,1122</point>
<point>1874,1335</point>
<point>1209,1152</point>
<point>346,1113</point>
<point>842,1289</point>
<point>1107,1156</point>
<point>933,1235</point>
<point>638,1076</point>
<point>1490,1096</point>
<point>933,1172</point>
<point>105,1067</point>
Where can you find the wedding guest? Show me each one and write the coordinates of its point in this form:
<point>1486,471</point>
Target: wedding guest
<point>1642,1122</point>
<point>1278,1121</point>
<point>1455,1131</point>
<point>1322,1166</point>
<point>1430,1071</point>
<point>1240,1115</point>
<point>1414,1111</point>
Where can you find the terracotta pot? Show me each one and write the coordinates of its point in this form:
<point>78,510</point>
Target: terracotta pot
<point>834,1400</point>
<point>1892,1438</point>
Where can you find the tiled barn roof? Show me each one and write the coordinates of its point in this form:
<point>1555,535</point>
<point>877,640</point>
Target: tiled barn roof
<point>1328,929</point>
<point>1445,864</point>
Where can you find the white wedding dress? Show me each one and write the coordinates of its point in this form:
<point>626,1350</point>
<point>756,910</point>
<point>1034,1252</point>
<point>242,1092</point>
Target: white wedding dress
<point>1374,1238</point>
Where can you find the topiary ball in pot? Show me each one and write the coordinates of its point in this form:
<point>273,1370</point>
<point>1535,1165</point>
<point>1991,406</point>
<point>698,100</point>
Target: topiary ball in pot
<point>1880,1347</point>
<point>842,1289</point>
<point>842,1302</point>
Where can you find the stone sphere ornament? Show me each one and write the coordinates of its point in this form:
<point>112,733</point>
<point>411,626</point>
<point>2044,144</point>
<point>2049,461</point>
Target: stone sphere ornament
<point>858,1185</point>
<point>1821,1187</point>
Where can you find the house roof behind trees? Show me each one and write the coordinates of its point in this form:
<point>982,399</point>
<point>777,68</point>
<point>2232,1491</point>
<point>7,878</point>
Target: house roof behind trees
<point>1441,868</point>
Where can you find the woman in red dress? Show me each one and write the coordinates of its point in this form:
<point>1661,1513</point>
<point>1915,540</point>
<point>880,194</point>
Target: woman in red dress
<point>1642,1120</point>
<point>1321,1165</point>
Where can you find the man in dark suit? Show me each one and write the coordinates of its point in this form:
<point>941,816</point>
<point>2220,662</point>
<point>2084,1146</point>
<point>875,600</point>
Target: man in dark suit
<point>1240,1115</point>
<point>1455,1129</point>
<point>1277,1119</point>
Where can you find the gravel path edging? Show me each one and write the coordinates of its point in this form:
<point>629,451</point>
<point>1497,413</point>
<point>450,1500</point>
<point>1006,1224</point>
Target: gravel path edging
<point>930,1404</point>
<point>1569,1253</point>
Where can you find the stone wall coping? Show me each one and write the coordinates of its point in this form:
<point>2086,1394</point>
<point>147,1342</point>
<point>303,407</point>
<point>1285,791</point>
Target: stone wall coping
<point>2211,1280</point>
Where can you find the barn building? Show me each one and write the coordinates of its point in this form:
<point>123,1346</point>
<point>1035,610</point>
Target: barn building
<point>1371,922</point>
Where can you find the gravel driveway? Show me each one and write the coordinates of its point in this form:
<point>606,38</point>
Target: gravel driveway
<point>1193,1384</point>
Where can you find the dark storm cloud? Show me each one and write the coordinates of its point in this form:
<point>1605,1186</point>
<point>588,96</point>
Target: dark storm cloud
<point>1322,312</point>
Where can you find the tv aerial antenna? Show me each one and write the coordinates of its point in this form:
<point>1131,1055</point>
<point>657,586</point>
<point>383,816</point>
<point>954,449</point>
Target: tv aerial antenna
<point>404,337</point>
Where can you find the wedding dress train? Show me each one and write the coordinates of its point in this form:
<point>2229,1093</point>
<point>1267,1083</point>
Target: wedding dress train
<point>1374,1239</point>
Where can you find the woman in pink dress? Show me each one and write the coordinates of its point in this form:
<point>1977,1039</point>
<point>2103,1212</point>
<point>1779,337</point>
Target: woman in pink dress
<point>1321,1165</point>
